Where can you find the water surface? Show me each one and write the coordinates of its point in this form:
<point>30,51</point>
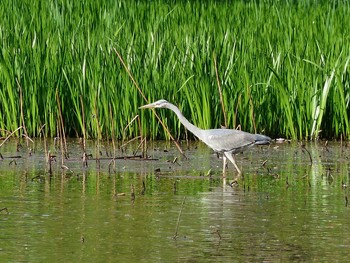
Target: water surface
<point>289,209</point>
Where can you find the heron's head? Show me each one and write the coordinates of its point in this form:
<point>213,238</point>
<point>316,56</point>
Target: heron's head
<point>157,104</point>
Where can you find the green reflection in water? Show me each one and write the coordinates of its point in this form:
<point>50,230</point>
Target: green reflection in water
<point>288,210</point>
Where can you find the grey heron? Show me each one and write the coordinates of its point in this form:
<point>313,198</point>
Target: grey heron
<point>226,141</point>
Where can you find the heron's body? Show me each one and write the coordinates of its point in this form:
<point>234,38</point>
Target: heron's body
<point>220,140</point>
<point>225,141</point>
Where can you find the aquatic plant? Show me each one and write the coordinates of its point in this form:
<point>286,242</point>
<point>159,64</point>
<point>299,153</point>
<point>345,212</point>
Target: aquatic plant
<point>279,74</point>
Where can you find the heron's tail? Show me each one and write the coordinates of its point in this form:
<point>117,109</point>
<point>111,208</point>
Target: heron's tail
<point>262,139</point>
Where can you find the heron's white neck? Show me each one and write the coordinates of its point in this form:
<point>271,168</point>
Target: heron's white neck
<point>189,126</point>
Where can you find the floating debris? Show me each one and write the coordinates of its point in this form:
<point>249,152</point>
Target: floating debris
<point>343,185</point>
<point>218,233</point>
<point>38,178</point>
<point>143,188</point>
<point>4,209</point>
<point>282,140</point>
<point>178,218</point>
<point>209,173</point>
<point>13,162</point>
<point>303,147</point>
<point>264,163</point>
<point>132,193</point>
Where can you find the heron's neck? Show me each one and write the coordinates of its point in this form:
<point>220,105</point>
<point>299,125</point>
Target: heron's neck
<point>189,126</point>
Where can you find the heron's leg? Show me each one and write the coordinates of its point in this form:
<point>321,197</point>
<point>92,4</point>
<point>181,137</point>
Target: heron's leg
<point>224,163</point>
<point>224,183</point>
<point>231,157</point>
<point>224,171</point>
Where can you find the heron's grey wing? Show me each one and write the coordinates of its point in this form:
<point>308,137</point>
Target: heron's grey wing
<point>227,140</point>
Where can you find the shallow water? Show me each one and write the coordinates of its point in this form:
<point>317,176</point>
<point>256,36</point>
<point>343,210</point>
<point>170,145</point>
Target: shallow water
<point>289,209</point>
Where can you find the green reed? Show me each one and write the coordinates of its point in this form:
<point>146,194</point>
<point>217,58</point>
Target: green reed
<point>283,67</point>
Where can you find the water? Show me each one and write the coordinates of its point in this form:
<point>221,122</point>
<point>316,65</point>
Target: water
<point>287,210</point>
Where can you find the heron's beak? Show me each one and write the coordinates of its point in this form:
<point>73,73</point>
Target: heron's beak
<point>146,106</point>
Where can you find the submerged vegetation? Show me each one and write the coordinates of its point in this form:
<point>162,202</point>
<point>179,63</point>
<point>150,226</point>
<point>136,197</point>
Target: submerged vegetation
<point>282,66</point>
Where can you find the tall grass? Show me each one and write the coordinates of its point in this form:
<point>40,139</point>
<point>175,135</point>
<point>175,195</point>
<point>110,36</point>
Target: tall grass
<point>284,67</point>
